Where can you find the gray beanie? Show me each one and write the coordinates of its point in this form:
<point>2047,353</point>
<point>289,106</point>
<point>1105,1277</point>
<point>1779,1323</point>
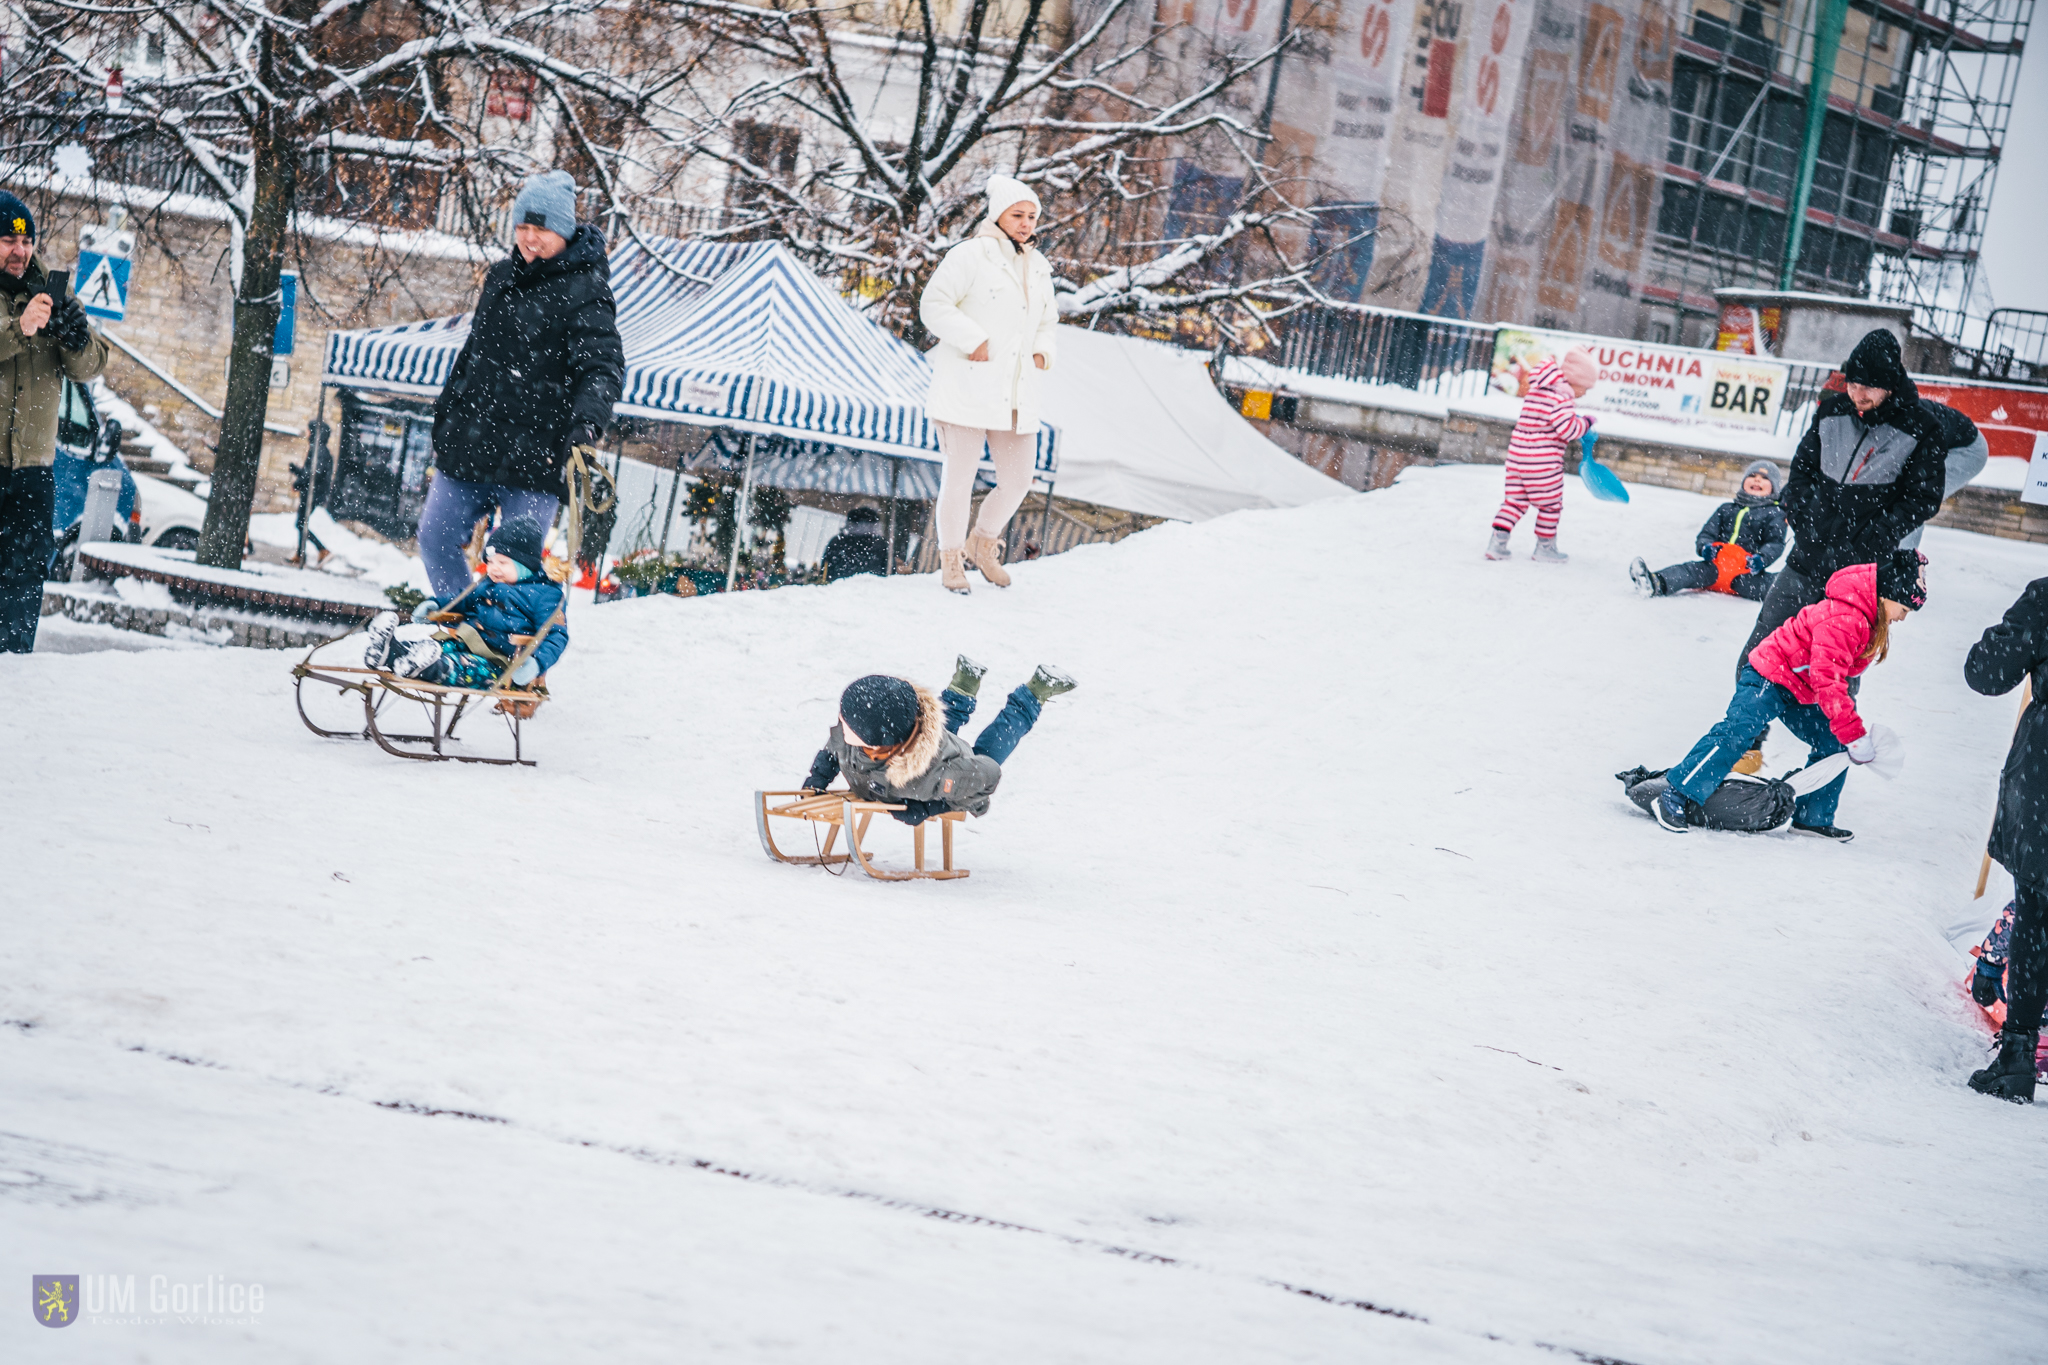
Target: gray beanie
<point>1769,471</point>
<point>549,201</point>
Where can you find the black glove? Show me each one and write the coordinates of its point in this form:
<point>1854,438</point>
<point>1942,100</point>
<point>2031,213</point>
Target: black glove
<point>823,769</point>
<point>585,434</point>
<point>1756,563</point>
<point>69,325</point>
<point>917,812</point>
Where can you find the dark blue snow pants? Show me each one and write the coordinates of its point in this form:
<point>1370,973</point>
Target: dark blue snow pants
<point>999,738</point>
<point>1757,702</point>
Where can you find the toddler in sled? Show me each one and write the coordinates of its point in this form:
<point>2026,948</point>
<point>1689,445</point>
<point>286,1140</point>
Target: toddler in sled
<point>898,743</point>
<point>1737,545</point>
<point>473,641</point>
<point>1800,674</point>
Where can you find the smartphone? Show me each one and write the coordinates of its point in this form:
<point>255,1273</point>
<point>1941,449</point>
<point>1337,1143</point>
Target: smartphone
<point>59,281</point>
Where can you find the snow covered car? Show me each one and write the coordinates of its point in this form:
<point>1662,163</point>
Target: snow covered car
<point>149,512</point>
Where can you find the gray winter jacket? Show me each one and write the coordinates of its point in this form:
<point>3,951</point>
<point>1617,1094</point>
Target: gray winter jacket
<point>934,765</point>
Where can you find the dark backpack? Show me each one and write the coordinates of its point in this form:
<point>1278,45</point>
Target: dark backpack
<point>1749,805</point>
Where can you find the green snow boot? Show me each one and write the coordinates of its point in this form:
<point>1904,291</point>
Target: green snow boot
<point>1047,683</point>
<point>967,676</point>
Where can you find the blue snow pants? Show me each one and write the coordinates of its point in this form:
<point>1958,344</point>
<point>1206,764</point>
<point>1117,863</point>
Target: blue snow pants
<point>1000,736</point>
<point>1757,702</point>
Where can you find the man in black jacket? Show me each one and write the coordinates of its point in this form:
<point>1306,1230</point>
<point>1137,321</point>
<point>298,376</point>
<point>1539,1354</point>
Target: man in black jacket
<point>859,548</point>
<point>1867,473</point>
<point>540,372</point>
<point>2013,651</point>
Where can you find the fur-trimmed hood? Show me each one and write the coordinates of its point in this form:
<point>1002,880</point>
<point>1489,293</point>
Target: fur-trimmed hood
<point>922,747</point>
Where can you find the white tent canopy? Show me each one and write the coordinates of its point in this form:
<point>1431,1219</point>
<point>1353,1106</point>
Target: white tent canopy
<point>1143,429</point>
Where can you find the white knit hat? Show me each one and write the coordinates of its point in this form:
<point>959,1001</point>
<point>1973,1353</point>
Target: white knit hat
<point>1003,191</point>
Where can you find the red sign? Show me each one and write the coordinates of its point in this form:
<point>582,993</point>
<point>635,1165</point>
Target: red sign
<point>2007,414</point>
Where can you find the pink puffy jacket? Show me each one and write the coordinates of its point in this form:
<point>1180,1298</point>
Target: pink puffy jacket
<point>1814,654</point>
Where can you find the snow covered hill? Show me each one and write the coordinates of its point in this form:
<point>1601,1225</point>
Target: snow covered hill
<point>1310,944</point>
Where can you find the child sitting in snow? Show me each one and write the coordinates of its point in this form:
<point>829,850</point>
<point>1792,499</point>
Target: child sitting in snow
<point>898,743</point>
<point>471,644</point>
<point>1739,542</point>
<point>1800,674</point>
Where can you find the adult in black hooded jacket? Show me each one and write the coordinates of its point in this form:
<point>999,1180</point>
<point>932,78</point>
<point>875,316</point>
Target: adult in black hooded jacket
<point>2013,651</point>
<point>1867,473</point>
<point>541,370</point>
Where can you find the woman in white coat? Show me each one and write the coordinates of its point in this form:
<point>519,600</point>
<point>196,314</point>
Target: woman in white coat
<point>990,305</point>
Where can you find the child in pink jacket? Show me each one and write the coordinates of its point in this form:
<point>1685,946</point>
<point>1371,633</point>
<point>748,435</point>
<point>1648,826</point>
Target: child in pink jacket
<point>1800,674</point>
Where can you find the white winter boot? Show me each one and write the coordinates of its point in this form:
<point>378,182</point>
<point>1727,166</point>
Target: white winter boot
<point>1548,553</point>
<point>1497,547</point>
<point>953,571</point>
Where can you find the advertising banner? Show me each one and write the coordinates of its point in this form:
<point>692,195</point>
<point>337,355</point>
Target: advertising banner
<point>2008,418</point>
<point>1485,95</point>
<point>2036,488</point>
<point>1357,118</point>
<point>1676,383</point>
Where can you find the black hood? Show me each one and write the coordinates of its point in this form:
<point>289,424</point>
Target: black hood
<point>586,251</point>
<point>1876,362</point>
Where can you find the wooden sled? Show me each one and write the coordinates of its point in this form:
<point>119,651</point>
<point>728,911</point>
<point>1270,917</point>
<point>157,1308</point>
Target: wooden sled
<point>444,707</point>
<point>842,811</point>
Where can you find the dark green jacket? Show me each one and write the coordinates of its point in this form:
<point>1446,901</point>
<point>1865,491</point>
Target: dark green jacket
<point>32,370</point>
<point>936,765</point>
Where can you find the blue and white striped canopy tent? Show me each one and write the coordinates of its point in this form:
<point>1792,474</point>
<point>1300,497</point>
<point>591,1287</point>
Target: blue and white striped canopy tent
<point>740,336</point>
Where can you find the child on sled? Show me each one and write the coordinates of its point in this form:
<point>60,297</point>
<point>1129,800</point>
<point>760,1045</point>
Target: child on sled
<point>470,644</point>
<point>1737,545</point>
<point>1800,674</point>
<point>898,743</point>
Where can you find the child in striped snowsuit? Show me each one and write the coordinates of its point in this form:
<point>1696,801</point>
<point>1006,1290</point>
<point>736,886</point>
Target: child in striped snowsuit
<point>1548,426</point>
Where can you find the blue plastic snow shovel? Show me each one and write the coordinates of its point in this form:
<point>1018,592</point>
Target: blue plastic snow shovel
<point>1600,481</point>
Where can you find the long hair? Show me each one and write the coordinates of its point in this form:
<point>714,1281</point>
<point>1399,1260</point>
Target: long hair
<point>1880,634</point>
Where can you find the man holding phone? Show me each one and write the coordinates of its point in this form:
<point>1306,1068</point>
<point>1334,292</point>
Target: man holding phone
<point>44,337</point>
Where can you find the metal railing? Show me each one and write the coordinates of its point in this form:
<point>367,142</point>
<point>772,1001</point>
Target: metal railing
<point>1381,346</point>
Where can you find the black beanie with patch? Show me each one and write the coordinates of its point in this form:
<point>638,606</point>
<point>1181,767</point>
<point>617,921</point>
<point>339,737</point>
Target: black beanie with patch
<point>520,541</point>
<point>1903,579</point>
<point>15,219</point>
<point>882,710</point>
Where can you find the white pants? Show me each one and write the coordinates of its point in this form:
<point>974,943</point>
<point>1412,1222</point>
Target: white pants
<point>1013,453</point>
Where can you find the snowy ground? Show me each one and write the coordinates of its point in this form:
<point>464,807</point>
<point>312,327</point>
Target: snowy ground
<point>1310,944</point>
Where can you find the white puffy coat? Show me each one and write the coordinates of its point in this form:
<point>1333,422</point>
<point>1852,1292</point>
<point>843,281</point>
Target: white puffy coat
<point>984,290</point>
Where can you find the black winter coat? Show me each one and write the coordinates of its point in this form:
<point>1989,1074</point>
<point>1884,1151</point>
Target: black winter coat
<point>1860,485</point>
<point>2015,648</point>
<point>543,355</point>
<point>849,553</point>
<point>1762,531</point>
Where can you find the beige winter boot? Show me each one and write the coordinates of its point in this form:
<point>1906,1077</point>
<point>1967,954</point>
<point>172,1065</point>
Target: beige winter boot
<point>953,571</point>
<point>987,553</point>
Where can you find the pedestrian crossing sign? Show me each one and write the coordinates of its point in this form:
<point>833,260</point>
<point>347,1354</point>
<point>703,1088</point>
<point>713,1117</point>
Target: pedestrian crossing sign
<point>103,285</point>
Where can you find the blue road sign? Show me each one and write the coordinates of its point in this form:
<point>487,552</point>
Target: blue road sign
<point>281,340</point>
<point>102,285</point>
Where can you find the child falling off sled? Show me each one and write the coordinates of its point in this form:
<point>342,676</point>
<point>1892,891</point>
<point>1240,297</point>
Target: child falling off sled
<point>1548,425</point>
<point>1736,547</point>
<point>484,630</point>
<point>1800,674</point>
<point>898,743</point>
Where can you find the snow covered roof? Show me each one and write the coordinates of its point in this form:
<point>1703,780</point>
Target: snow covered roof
<point>1143,429</point>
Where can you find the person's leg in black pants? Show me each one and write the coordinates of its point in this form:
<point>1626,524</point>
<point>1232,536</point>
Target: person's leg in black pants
<point>28,499</point>
<point>1790,594</point>
<point>2011,1074</point>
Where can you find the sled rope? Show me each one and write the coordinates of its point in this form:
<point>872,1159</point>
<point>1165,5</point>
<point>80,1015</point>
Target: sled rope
<point>581,478</point>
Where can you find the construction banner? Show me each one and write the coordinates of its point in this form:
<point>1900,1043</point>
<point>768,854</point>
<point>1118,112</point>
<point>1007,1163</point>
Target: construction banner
<point>1484,98</point>
<point>1675,383</point>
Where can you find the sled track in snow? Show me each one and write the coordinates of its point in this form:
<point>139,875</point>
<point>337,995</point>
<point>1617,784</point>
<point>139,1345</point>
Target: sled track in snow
<point>678,1161</point>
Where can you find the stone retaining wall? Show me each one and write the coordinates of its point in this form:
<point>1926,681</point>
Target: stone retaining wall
<point>200,624</point>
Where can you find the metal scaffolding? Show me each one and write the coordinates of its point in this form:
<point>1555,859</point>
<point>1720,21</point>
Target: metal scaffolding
<point>1895,165</point>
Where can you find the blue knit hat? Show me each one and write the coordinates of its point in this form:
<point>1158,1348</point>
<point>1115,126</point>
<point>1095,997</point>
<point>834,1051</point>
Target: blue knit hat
<point>548,201</point>
<point>520,540</point>
<point>15,219</point>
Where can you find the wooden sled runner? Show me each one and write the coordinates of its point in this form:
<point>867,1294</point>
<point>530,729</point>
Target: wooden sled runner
<point>444,708</point>
<point>841,812</point>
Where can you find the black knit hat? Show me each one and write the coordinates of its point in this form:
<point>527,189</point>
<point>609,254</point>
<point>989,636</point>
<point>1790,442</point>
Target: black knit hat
<point>519,540</point>
<point>867,514</point>
<point>15,219</point>
<point>1876,362</point>
<point>882,710</point>
<point>1903,579</point>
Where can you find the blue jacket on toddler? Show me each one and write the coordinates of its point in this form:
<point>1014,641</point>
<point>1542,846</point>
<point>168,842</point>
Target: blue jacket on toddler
<point>501,610</point>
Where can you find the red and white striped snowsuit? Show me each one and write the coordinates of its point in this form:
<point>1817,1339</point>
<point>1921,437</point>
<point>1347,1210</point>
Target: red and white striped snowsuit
<point>1548,424</point>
